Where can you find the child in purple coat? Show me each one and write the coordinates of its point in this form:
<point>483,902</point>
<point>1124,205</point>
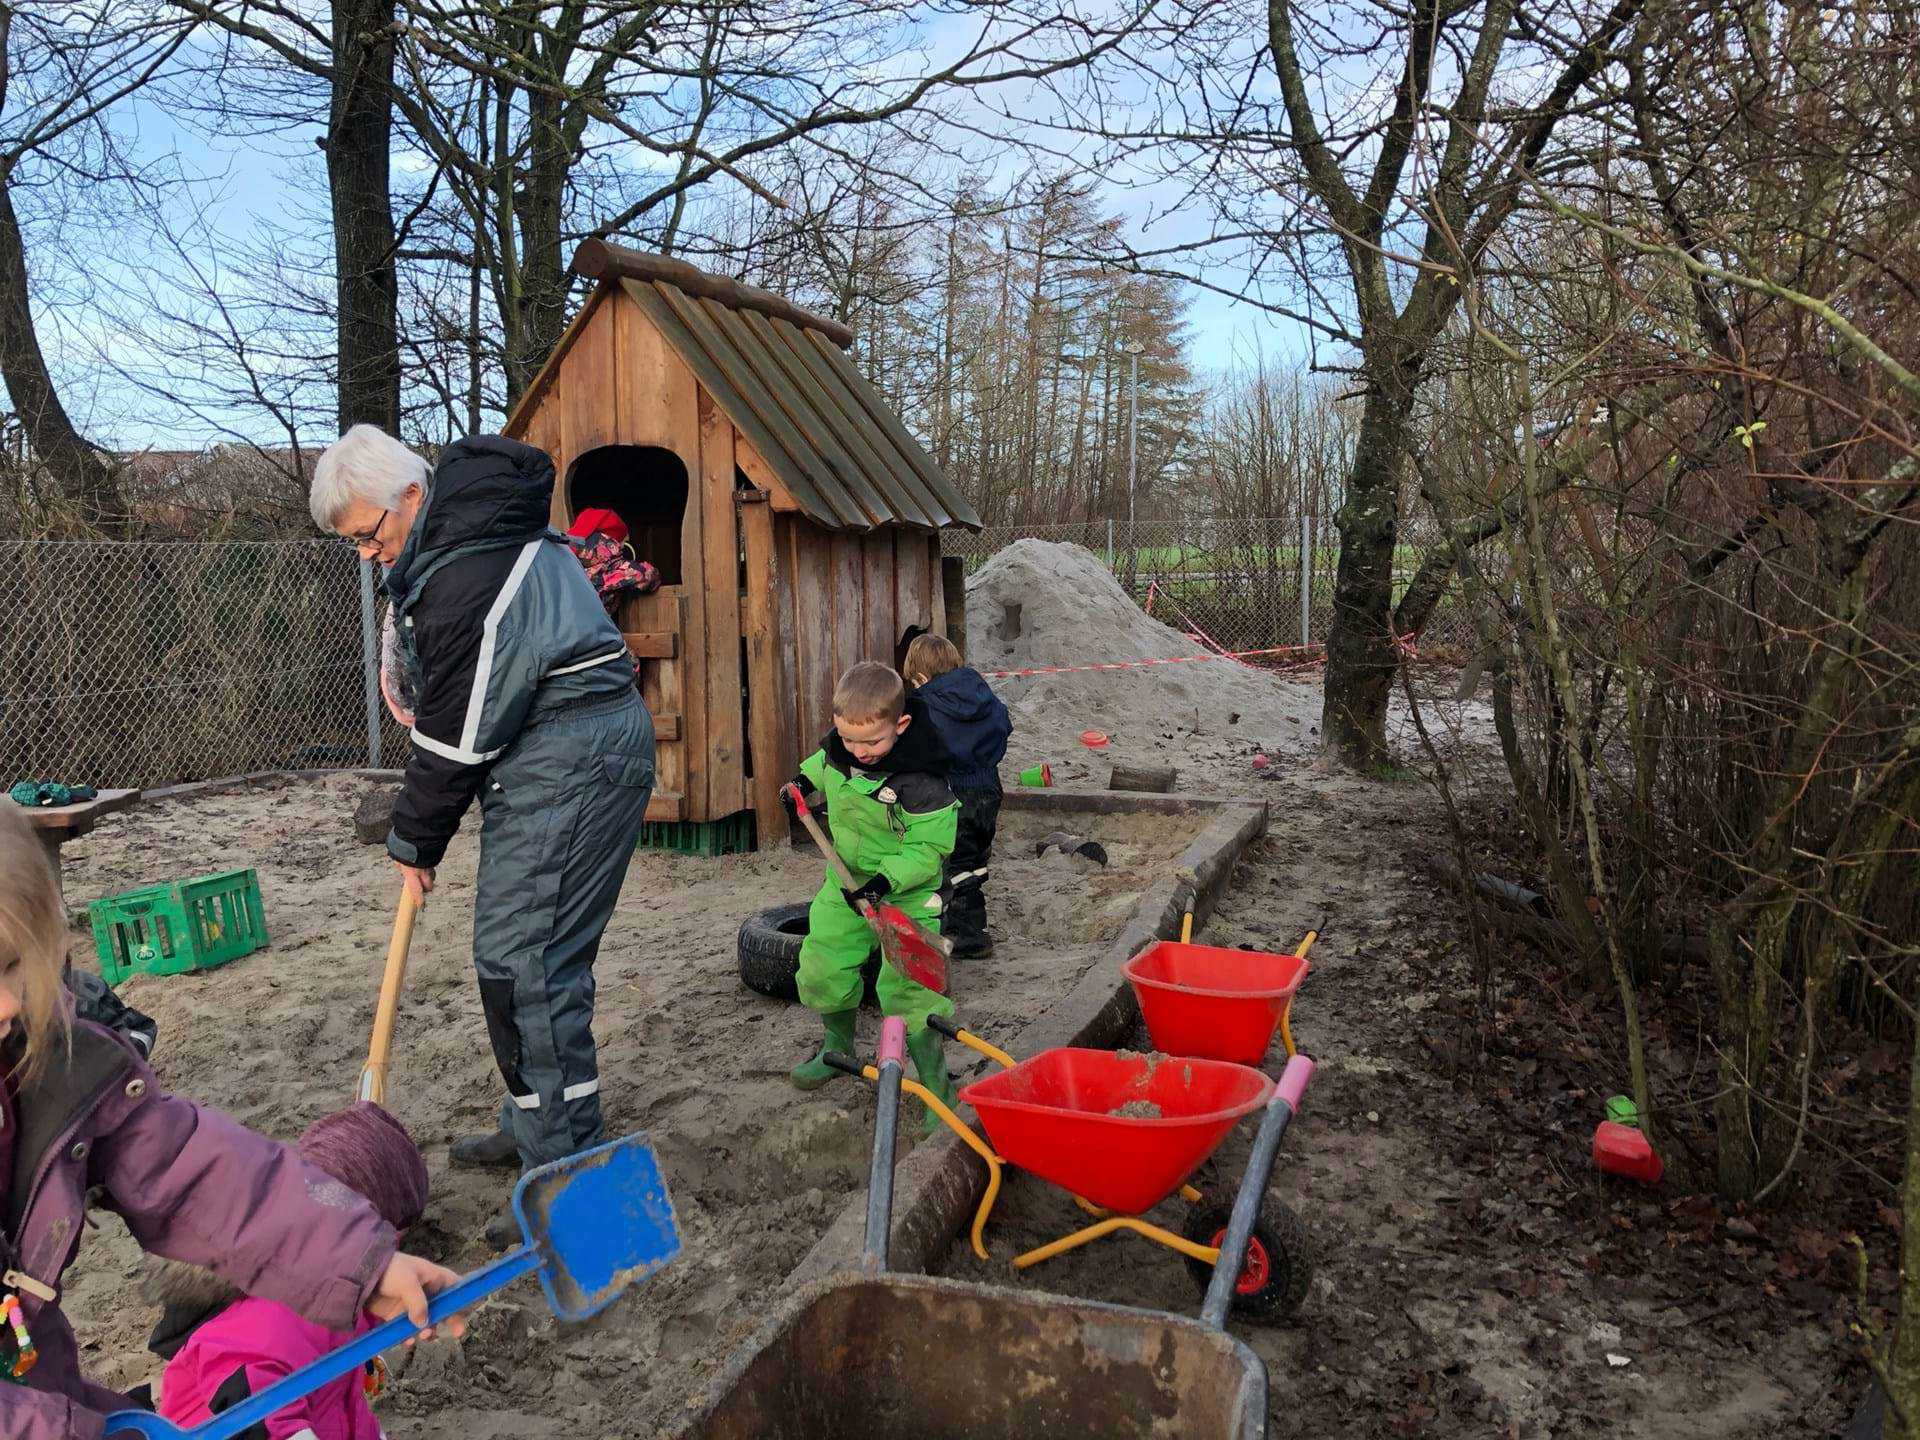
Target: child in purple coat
<point>80,1112</point>
<point>235,1345</point>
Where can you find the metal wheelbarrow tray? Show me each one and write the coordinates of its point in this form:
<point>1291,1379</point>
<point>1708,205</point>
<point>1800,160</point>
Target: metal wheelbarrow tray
<point>883,1357</point>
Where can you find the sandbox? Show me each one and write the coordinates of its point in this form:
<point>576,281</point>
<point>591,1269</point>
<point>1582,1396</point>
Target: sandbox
<point>763,1177</point>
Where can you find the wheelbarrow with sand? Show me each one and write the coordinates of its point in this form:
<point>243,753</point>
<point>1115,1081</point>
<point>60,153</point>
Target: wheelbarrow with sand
<point>883,1355</point>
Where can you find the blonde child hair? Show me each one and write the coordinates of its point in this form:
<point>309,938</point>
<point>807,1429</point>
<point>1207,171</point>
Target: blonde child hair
<point>33,943</point>
<point>930,656</point>
<point>870,691</point>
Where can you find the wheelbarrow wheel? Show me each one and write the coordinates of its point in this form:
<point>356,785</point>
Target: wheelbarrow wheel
<point>1273,1282</point>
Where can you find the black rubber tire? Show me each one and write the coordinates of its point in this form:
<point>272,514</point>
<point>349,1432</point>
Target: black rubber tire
<point>1280,1241</point>
<point>769,948</point>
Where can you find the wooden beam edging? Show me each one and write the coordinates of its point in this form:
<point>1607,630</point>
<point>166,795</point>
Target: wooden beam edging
<point>936,1188</point>
<point>188,789</point>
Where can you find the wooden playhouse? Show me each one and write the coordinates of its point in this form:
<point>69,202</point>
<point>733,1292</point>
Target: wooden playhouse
<point>795,522</point>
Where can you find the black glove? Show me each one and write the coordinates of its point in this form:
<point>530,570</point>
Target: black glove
<point>798,782</point>
<point>874,891</point>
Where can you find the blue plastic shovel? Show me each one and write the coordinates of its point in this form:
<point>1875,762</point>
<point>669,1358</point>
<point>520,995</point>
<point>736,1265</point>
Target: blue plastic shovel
<point>595,1224</point>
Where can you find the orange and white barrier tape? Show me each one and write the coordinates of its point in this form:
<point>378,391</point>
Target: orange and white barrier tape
<point>1309,651</point>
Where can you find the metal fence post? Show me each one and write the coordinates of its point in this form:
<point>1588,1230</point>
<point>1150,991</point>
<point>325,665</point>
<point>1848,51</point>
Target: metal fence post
<point>1110,542</point>
<point>370,662</point>
<point>1306,577</point>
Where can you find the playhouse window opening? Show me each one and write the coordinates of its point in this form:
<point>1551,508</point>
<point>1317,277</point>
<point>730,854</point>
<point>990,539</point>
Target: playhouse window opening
<point>646,486</point>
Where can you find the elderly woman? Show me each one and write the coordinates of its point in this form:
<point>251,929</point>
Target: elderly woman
<point>523,695</point>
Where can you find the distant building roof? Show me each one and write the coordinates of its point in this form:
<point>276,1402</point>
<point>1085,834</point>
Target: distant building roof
<point>783,378</point>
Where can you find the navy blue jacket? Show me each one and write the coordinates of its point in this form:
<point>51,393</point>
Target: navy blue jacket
<point>969,717</point>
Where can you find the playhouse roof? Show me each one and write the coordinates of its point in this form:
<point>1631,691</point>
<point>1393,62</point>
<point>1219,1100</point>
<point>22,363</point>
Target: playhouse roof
<point>783,378</point>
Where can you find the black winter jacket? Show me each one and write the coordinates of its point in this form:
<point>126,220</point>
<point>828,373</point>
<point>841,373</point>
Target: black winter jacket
<point>972,723</point>
<point>494,616</point>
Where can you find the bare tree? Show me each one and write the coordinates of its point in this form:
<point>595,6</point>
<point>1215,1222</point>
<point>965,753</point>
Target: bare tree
<point>63,67</point>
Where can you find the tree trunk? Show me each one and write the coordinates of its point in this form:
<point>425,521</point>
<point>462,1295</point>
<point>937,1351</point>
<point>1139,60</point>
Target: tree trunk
<point>359,171</point>
<point>1361,656</point>
<point>543,285</point>
<point>86,478</point>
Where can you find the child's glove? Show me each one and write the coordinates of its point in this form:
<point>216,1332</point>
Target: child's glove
<point>874,891</point>
<point>798,782</point>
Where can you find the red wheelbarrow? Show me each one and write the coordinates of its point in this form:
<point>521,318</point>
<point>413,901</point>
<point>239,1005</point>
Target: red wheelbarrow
<point>1223,1004</point>
<point>878,1356</point>
<point>1121,1132</point>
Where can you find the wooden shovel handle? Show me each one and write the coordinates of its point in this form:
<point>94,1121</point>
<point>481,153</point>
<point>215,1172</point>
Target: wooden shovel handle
<point>373,1077</point>
<point>805,812</point>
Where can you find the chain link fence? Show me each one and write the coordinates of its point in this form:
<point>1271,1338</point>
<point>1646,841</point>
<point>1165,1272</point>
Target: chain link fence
<point>148,663</point>
<point>141,664</point>
<point>1240,584</point>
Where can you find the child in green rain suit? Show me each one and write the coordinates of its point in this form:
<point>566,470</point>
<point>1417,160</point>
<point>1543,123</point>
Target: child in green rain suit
<point>883,773</point>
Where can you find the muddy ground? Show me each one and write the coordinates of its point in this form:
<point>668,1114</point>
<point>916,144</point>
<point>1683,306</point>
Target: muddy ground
<point>1473,1273</point>
<point>687,1054</point>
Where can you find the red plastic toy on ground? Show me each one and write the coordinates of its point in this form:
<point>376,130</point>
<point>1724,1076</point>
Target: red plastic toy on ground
<point>1623,1150</point>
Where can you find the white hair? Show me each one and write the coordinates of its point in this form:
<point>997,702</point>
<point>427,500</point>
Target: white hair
<point>364,464</point>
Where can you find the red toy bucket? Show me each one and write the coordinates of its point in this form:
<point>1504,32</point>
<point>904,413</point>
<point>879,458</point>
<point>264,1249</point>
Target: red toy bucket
<point>1221,1004</point>
<point>1054,1115</point>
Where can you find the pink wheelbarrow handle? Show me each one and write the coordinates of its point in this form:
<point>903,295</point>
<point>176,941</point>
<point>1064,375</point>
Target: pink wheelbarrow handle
<point>1253,1188</point>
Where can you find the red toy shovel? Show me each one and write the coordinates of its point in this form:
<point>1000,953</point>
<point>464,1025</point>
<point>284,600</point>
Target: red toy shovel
<point>913,951</point>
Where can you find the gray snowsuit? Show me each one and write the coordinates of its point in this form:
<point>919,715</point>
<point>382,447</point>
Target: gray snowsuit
<point>525,697</point>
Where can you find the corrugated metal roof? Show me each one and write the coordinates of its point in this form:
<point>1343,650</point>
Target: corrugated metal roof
<point>830,439</point>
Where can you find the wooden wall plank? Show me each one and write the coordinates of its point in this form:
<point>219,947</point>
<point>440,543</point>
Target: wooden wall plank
<point>953,587</point>
<point>816,654</point>
<point>658,401</point>
<point>795,739</point>
<point>587,387</point>
<point>720,566</point>
<point>936,596</point>
<point>652,644</point>
<point>755,467</point>
<point>770,720</point>
<point>846,583</point>
<point>880,630</point>
<point>660,685</point>
<point>910,588</point>
<point>542,431</point>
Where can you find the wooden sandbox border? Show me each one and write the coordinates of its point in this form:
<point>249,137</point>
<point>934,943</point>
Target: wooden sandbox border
<point>936,1188</point>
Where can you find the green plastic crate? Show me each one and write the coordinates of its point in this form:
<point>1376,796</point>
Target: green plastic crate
<point>731,836</point>
<point>187,925</point>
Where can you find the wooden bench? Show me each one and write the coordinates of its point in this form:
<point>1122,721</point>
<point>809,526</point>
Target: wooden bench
<point>58,824</point>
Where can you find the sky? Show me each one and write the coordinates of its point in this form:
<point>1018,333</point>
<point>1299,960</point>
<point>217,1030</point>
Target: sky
<point>243,182</point>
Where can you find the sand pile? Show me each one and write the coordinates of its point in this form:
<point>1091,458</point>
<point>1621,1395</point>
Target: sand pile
<point>1038,603</point>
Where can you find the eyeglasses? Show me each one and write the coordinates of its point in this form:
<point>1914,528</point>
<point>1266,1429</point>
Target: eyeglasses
<point>371,538</point>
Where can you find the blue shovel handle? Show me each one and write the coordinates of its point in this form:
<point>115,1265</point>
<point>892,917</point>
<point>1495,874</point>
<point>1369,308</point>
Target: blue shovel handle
<point>344,1361</point>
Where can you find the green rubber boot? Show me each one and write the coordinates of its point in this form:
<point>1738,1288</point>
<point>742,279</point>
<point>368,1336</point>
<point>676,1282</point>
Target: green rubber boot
<point>812,1074</point>
<point>930,1066</point>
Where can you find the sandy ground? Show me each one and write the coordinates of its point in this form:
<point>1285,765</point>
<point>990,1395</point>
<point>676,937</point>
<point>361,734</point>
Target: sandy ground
<point>1473,1273</point>
<point>687,1054</point>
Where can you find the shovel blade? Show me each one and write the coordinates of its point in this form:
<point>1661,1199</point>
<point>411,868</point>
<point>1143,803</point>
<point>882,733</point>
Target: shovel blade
<point>602,1221</point>
<point>910,949</point>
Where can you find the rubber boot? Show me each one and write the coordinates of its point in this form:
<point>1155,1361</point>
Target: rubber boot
<point>812,1074</point>
<point>492,1150</point>
<point>930,1066</point>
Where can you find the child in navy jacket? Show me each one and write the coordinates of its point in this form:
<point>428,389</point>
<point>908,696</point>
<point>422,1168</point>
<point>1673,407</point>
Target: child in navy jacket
<point>969,717</point>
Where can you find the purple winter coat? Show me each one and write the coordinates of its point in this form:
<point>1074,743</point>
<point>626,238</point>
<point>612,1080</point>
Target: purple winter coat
<point>191,1185</point>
